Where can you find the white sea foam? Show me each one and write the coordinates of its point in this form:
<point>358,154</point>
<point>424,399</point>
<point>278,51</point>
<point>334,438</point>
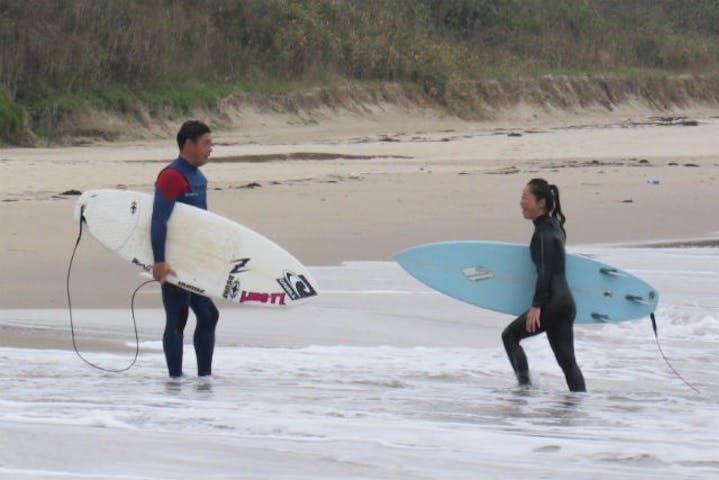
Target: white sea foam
<point>368,385</point>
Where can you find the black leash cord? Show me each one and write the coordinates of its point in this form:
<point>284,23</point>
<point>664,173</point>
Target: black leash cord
<point>72,324</point>
<point>656,336</point>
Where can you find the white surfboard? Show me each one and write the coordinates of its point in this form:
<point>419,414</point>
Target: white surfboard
<point>213,256</point>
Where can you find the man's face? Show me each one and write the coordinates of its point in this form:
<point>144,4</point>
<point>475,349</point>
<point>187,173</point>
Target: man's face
<point>198,152</point>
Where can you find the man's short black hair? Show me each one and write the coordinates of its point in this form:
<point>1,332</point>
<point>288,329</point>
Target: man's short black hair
<point>191,130</point>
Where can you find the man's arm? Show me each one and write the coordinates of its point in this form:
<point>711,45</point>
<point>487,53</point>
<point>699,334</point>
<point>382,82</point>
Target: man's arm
<point>170,184</point>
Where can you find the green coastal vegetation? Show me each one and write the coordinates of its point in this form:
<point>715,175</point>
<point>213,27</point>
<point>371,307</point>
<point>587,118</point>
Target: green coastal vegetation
<point>166,58</point>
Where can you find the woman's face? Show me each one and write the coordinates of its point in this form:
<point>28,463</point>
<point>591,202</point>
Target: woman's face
<point>531,208</point>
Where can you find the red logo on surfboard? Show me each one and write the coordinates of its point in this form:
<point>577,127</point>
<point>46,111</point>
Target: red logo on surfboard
<point>259,297</point>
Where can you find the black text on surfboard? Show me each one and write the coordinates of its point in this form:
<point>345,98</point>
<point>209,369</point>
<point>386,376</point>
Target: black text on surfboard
<point>240,265</point>
<point>232,287</point>
<point>144,267</point>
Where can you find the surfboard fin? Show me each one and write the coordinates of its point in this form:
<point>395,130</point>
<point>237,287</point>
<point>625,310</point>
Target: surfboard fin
<point>637,299</point>
<point>612,271</point>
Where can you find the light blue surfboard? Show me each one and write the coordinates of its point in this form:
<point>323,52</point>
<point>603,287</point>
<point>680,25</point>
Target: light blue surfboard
<point>501,277</point>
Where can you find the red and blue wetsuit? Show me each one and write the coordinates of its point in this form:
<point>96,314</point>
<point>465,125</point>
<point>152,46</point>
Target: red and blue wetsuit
<point>182,182</point>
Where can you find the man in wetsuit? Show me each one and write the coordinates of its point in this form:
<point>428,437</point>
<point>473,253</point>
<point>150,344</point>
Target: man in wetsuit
<point>553,309</point>
<point>182,181</point>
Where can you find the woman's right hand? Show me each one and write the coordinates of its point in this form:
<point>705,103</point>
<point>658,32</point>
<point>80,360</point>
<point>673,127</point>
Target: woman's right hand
<point>533,322</point>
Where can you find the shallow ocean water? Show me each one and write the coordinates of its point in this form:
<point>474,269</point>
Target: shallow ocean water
<point>384,392</point>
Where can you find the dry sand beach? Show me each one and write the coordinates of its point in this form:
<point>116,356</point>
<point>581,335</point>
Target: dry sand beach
<point>351,188</point>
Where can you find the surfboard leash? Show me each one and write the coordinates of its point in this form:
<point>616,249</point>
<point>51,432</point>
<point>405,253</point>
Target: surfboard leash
<point>656,337</point>
<point>69,305</point>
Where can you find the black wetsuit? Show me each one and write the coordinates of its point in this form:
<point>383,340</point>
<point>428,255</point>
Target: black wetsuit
<point>553,296</point>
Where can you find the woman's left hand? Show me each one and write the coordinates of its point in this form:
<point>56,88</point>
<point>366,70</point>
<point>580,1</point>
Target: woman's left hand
<point>533,315</point>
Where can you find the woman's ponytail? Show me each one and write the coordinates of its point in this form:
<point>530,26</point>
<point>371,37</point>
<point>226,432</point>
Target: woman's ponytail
<point>557,213</point>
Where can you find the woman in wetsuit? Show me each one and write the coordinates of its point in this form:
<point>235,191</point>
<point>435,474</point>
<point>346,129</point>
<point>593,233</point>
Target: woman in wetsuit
<point>552,310</point>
